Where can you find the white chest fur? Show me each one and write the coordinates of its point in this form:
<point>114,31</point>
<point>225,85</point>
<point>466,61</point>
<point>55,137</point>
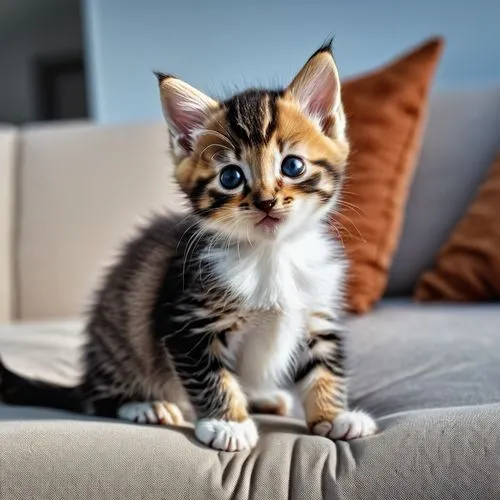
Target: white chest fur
<point>278,285</point>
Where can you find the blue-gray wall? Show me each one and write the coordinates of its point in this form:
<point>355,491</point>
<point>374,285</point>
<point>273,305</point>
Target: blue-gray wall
<point>216,44</point>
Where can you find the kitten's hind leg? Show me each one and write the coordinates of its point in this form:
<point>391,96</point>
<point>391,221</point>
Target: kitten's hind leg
<point>274,402</point>
<point>151,412</point>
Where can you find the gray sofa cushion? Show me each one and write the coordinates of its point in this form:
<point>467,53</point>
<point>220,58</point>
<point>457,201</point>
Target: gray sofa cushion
<point>407,356</point>
<point>462,136</point>
<point>449,454</point>
<point>410,364</point>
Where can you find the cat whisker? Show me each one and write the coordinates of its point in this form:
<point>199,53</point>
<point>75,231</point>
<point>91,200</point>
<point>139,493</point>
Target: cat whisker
<point>339,235</point>
<point>215,145</point>
<point>184,233</point>
<point>248,238</point>
<point>192,244</point>
<point>218,134</point>
<point>342,226</point>
<point>340,214</point>
<point>352,207</point>
<point>227,137</point>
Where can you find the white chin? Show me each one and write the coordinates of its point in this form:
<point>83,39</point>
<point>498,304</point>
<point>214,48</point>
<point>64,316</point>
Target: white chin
<point>269,230</point>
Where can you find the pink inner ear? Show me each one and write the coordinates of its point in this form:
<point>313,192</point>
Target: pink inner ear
<point>184,119</point>
<point>321,93</point>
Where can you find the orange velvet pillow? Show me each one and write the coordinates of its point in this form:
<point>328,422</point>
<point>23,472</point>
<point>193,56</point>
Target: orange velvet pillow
<point>386,110</point>
<point>467,268</point>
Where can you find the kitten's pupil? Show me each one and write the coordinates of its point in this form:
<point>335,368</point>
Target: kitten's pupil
<point>292,166</point>
<point>231,177</point>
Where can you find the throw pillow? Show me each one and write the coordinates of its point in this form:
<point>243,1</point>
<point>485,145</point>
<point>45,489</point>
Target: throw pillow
<point>386,111</point>
<point>467,267</point>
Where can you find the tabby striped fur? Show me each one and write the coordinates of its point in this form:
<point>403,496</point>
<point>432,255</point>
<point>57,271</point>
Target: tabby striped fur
<point>219,312</point>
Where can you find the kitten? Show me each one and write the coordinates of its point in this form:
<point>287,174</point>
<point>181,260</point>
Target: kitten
<point>213,315</point>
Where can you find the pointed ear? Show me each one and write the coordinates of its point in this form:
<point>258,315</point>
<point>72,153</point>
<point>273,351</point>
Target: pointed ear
<point>316,88</point>
<point>185,110</point>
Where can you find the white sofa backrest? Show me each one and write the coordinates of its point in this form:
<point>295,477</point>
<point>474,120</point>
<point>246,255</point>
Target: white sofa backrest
<point>83,190</point>
<point>8,160</point>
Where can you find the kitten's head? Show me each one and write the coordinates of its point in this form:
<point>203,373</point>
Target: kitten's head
<point>264,164</point>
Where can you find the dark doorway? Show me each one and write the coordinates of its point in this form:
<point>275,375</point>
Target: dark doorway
<point>60,88</point>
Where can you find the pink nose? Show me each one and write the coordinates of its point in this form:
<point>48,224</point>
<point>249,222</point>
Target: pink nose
<point>265,205</point>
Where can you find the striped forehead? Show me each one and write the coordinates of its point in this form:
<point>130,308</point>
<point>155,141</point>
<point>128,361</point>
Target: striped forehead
<point>252,117</point>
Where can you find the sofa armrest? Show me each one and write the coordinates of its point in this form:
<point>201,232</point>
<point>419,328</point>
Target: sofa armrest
<point>8,159</point>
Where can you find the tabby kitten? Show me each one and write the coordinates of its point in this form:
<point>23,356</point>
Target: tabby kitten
<point>213,315</point>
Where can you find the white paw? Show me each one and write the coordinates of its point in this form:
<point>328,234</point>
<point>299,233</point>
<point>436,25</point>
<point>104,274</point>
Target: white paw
<point>151,412</point>
<point>227,435</point>
<point>347,425</point>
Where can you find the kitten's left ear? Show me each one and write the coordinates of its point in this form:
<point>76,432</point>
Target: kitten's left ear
<point>185,109</point>
<point>316,88</point>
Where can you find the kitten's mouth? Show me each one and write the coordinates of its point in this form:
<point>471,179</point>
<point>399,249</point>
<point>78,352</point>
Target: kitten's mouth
<point>269,222</point>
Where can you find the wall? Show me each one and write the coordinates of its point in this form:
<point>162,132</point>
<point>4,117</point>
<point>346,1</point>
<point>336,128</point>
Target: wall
<point>213,43</point>
<point>42,30</point>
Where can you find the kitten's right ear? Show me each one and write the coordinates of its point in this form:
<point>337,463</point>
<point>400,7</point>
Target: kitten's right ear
<point>185,109</point>
<point>317,90</point>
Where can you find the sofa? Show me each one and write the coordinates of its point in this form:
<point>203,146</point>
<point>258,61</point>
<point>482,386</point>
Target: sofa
<point>429,373</point>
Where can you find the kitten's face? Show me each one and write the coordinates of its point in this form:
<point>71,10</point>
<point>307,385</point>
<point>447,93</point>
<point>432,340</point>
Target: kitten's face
<point>264,165</point>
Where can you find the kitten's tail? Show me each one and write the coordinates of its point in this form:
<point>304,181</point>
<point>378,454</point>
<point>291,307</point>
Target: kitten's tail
<point>18,390</point>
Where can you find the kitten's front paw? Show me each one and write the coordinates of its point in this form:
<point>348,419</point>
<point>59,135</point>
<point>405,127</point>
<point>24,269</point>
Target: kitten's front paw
<point>346,426</point>
<point>227,435</point>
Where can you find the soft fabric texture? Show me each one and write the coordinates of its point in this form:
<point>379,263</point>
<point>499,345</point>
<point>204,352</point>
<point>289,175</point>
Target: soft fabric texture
<point>461,137</point>
<point>386,111</point>
<point>83,189</point>
<point>467,267</point>
<point>409,356</point>
<point>8,157</point>
<point>436,409</point>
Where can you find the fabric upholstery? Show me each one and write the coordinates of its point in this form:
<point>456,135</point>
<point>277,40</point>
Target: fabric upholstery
<point>8,159</point>
<point>408,356</point>
<point>461,139</point>
<point>386,112</point>
<point>434,390</point>
<point>448,454</point>
<point>467,267</point>
<point>83,189</point>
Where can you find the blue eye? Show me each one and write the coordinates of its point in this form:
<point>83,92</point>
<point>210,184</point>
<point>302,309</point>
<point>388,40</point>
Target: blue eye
<point>292,166</point>
<point>231,177</point>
